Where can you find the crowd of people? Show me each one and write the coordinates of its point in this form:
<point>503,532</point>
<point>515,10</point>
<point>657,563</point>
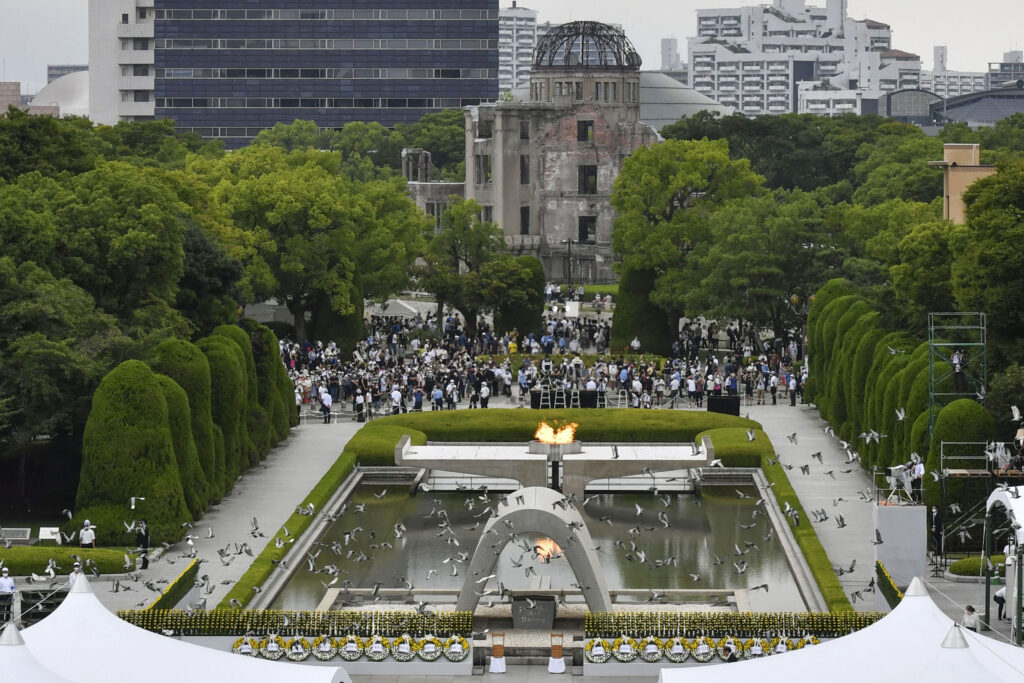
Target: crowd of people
<point>427,363</point>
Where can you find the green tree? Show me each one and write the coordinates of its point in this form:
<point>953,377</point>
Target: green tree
<point>455,256</point>
<point>443,134</point>
<point>921,279</point>
<point>42,143</point>
<point>665,198</point>
<point>513,288</point>
<point>897,168</point>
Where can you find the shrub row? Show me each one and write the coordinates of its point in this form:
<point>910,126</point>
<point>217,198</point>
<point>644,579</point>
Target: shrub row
<point>721,624</point>
<point>176,590</point>
<point>893,595</point>
<point>23,560</point>
<point>179,429</point>
<point>971,566</point>
<point>863,374</point>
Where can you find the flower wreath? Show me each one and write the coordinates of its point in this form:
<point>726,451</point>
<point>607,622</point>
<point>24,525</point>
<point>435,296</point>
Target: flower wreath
<point>703,649</point>
<point>298,649</point>
<point>729,640</point>
<point>780,645</point>
<point>456,648</point>
<point>624,648</point>
<point>246,646</point>
<point>403,648</point>
<point>324,648</point>
<point>597,651</point>
<point>676,649</point>
<point>808,639</point>
<point>272,647</point>
<point>651,649</point>
<point>350,647</point>
<point>429,648</point>
<point>756,647</point>
<point>377,648</point>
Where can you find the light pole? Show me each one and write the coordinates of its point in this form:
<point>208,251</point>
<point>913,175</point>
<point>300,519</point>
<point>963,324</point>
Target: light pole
<point>569,242</point>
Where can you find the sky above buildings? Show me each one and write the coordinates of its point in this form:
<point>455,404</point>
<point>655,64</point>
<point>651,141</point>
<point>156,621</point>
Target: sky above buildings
<point>34,34</point>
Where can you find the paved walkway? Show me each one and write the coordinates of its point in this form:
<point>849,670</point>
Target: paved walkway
<point>837,494</point>
<point>268,492</point>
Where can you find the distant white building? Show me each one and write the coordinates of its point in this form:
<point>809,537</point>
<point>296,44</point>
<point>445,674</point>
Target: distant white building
<point>1008,71</point>
<point>769,59</point>
<point>121,60</point>
<point>946,83</point>
<point>670,59</point>
<point>517,38</point>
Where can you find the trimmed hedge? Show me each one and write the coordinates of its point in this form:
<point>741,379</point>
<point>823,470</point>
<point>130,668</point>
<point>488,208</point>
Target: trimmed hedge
<point>267,357</point>
<point>193,481</point>
<point>257,424</point>
<point>23,560</point>
<point>127,450</point>
<point>176,590</point>
<point>524,318</point>
<point>636,316</point>
<point>961,420</point>
<point>261,567</point>
<point>893,595</point>
<point>183,362</point>
<point>375,443</point>
<point>971,566</point>
<point>227,400</point>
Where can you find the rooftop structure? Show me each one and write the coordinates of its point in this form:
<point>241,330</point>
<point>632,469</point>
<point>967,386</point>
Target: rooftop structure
<point>961,166</point>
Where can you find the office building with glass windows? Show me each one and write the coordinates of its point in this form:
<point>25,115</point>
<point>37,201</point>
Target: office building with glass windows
<point>228,69</point>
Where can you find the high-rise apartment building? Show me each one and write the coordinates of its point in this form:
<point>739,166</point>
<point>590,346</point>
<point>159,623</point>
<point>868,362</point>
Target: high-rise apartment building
<point>228,69</point>
<point>670,59</point>
<point>1008,71</point>
<point>793,57</point>
<point>946,83</point>
<point>517,37</point>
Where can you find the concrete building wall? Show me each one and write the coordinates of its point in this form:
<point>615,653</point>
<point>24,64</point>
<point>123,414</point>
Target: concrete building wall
<point>121,59</point>
<point>10,95</point>
<point>961,166</point>
<point>539,142</point>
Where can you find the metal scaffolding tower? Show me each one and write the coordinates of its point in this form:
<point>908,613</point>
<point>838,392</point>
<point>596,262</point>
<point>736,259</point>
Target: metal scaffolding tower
<point>957,351</point>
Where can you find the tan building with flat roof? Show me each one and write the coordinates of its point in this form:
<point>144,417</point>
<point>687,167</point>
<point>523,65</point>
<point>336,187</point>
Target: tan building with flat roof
<point>961,166</point>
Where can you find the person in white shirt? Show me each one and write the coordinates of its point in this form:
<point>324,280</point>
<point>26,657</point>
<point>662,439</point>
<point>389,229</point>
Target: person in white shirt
<point>396,400</point>
<point>999,598</point>
<point>326,402</point>
<point>7,583</point>
<point>970,619</point>
<point>485,394</point>
<point>87,537</point>
<point>916,477</point>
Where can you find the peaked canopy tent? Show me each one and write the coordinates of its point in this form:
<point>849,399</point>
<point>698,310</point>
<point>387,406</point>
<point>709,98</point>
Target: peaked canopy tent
<point>17,662</point>
<point>1011,500</point>
<point>916,641</point>
<point>83,642</point>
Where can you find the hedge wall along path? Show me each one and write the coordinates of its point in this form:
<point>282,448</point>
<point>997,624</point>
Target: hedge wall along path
<point>193,481</point>
<point>188,367</point>
<point>227,403</point>
<point>257,426</point>
<point>268,365</point>
<point>127,450</point>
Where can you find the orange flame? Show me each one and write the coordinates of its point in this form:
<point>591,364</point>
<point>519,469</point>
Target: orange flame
<point>546,549</point>
<point>546,434</point>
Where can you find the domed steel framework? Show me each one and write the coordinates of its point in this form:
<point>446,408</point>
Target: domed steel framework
<point>586,44</point>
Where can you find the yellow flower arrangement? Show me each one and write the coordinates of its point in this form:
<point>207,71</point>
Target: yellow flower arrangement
<point>780,645</point>
<point>246,646</point>
<point>703,649</point>
<point>377,648</point>
<point>350,647</point>
<point>298,649</point>
<point>737,644</point>
<point>806,640</point>
<point>429,648</point>
<point>456,648</point>
<point>272,647</point>
<point>651,649</point>
<point>676,649</point>
<point>624,648</point>
<point>597,650</point>
<point>756,647</point>
<point>324,648</point>
<point>403,648</point>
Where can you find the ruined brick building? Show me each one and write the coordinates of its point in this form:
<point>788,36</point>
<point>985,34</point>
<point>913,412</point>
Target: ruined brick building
<point>543,164</point>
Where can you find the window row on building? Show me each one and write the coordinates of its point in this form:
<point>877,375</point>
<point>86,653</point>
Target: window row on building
<point>313,102</point>
<point>321,44</point>
<point>328,74</point>
<point>325,14</point>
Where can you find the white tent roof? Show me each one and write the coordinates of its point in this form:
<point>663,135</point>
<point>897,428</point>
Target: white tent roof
<point>17,662</point>
<point>85,643</point>
<point>914,642</point>
<point>1012,500</point>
